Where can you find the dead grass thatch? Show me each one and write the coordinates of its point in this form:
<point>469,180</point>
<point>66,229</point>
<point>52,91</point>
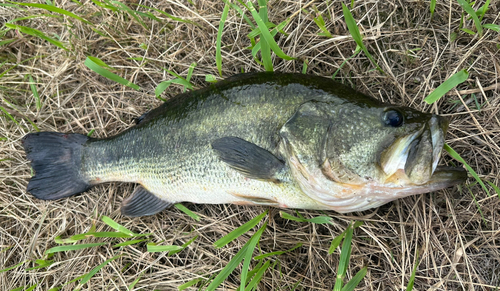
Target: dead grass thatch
<point>458,246</point>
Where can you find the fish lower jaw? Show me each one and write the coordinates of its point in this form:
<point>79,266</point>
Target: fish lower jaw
<point>372,195</point>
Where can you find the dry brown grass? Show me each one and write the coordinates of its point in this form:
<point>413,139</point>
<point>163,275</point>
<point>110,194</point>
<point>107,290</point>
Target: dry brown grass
<point>458,251</point>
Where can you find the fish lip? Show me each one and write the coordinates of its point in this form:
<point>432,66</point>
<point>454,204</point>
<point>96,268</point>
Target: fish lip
<point>438,126</point>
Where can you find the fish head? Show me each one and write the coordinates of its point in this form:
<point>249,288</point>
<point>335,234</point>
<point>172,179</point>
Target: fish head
<point>353,157</point>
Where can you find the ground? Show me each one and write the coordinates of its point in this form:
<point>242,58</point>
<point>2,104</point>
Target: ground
<point>452,235</point>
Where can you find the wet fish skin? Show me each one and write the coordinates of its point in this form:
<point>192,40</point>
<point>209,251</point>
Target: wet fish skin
<point>305,142</point>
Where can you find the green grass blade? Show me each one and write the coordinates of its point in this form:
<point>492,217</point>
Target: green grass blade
<point>228,269</point>
<point>210,78</point>
<point>236,260</point>
<point>131,12</point>
<point>180,80</point>
<point>266,34</point>
<point>304,66</point>
<point>432,7</point>
<point>189,75</point>
<point>148,15</point>
<point>356,35</point>
<point>468,31</point>
<point>277,253</point>
<point>258,276</point>
<point>457,157</point>
<point>344,259</point>
<point>357,224</point>
<point>353,27</point>
<point>104,5</point>
<point>336,242</point>
<point>190,71</point>
<point>183,246</point>
<point>99,234</point>
<point>189,284</point>
<point>18,111</point>
<point>7,41</point>
<point>13,267</point>
<point>132,285</point>
<point>35,93</point>
<point>483,9</point>
<point>409,287</point>
<point>115,225</point>
<point>41,264</point>
<point>356,51</point>
<point>456,79</point>
<point>73,247</point>
<point>495,187</point>
<point>153,248</point>
<point>255,269</point>
<point>128,243</point>
<point>31,288</point>
<point>353,283</point>
<point>218,53</point>
<point>187,211</point>
<point>59,240</point>
<point>107,74</point>
<point>248,255</point>
<point>54,9</point>
<point>8,115</point>
<point>33,16</point>
<point>17,289</point>
<point>265,49</point>
<point>320,22</point>
<point>242,14</point>
<point>465,5</point>
<point>97,269</point>
<point>317,219</point>
<point>169,15</point>
<point>239,231</point>
<point>165,84</point>
<point>100,62</point>
<point>494,27</point>
<point>36,33</point>
<point>277,28</point>
<point>7,248</point>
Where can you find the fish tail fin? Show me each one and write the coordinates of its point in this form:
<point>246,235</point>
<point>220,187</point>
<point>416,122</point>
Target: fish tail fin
<point>56,159</point>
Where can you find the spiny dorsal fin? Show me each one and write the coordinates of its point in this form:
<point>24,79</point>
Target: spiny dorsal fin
<point>247,158</point>
<point>143,203</point>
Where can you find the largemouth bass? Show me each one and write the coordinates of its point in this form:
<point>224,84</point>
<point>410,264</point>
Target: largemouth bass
<point>283,140</point>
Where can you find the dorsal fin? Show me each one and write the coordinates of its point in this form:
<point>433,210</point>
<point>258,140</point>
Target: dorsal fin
<point>143,203</point>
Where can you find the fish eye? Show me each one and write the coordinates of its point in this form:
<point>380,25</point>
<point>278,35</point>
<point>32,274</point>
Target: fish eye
<point>393,118</point>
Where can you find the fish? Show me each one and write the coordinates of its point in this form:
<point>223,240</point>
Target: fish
<point>283,140</point>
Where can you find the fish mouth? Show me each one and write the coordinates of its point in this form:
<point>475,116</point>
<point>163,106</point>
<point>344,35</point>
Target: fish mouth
<point>413,159</point>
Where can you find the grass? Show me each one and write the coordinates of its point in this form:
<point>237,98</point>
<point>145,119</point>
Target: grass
<point>218,53</point>
<point>36,33</point>
<point>60,66</point>
<point>100,68</point>
<point>446,86</point>
<point>356,35</point>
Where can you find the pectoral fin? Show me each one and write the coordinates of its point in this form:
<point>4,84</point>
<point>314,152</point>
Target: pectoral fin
<point>143,203</point>
<point>247,158</point>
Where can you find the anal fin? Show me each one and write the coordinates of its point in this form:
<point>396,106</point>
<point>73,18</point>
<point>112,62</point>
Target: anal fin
<point>143,203</point>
